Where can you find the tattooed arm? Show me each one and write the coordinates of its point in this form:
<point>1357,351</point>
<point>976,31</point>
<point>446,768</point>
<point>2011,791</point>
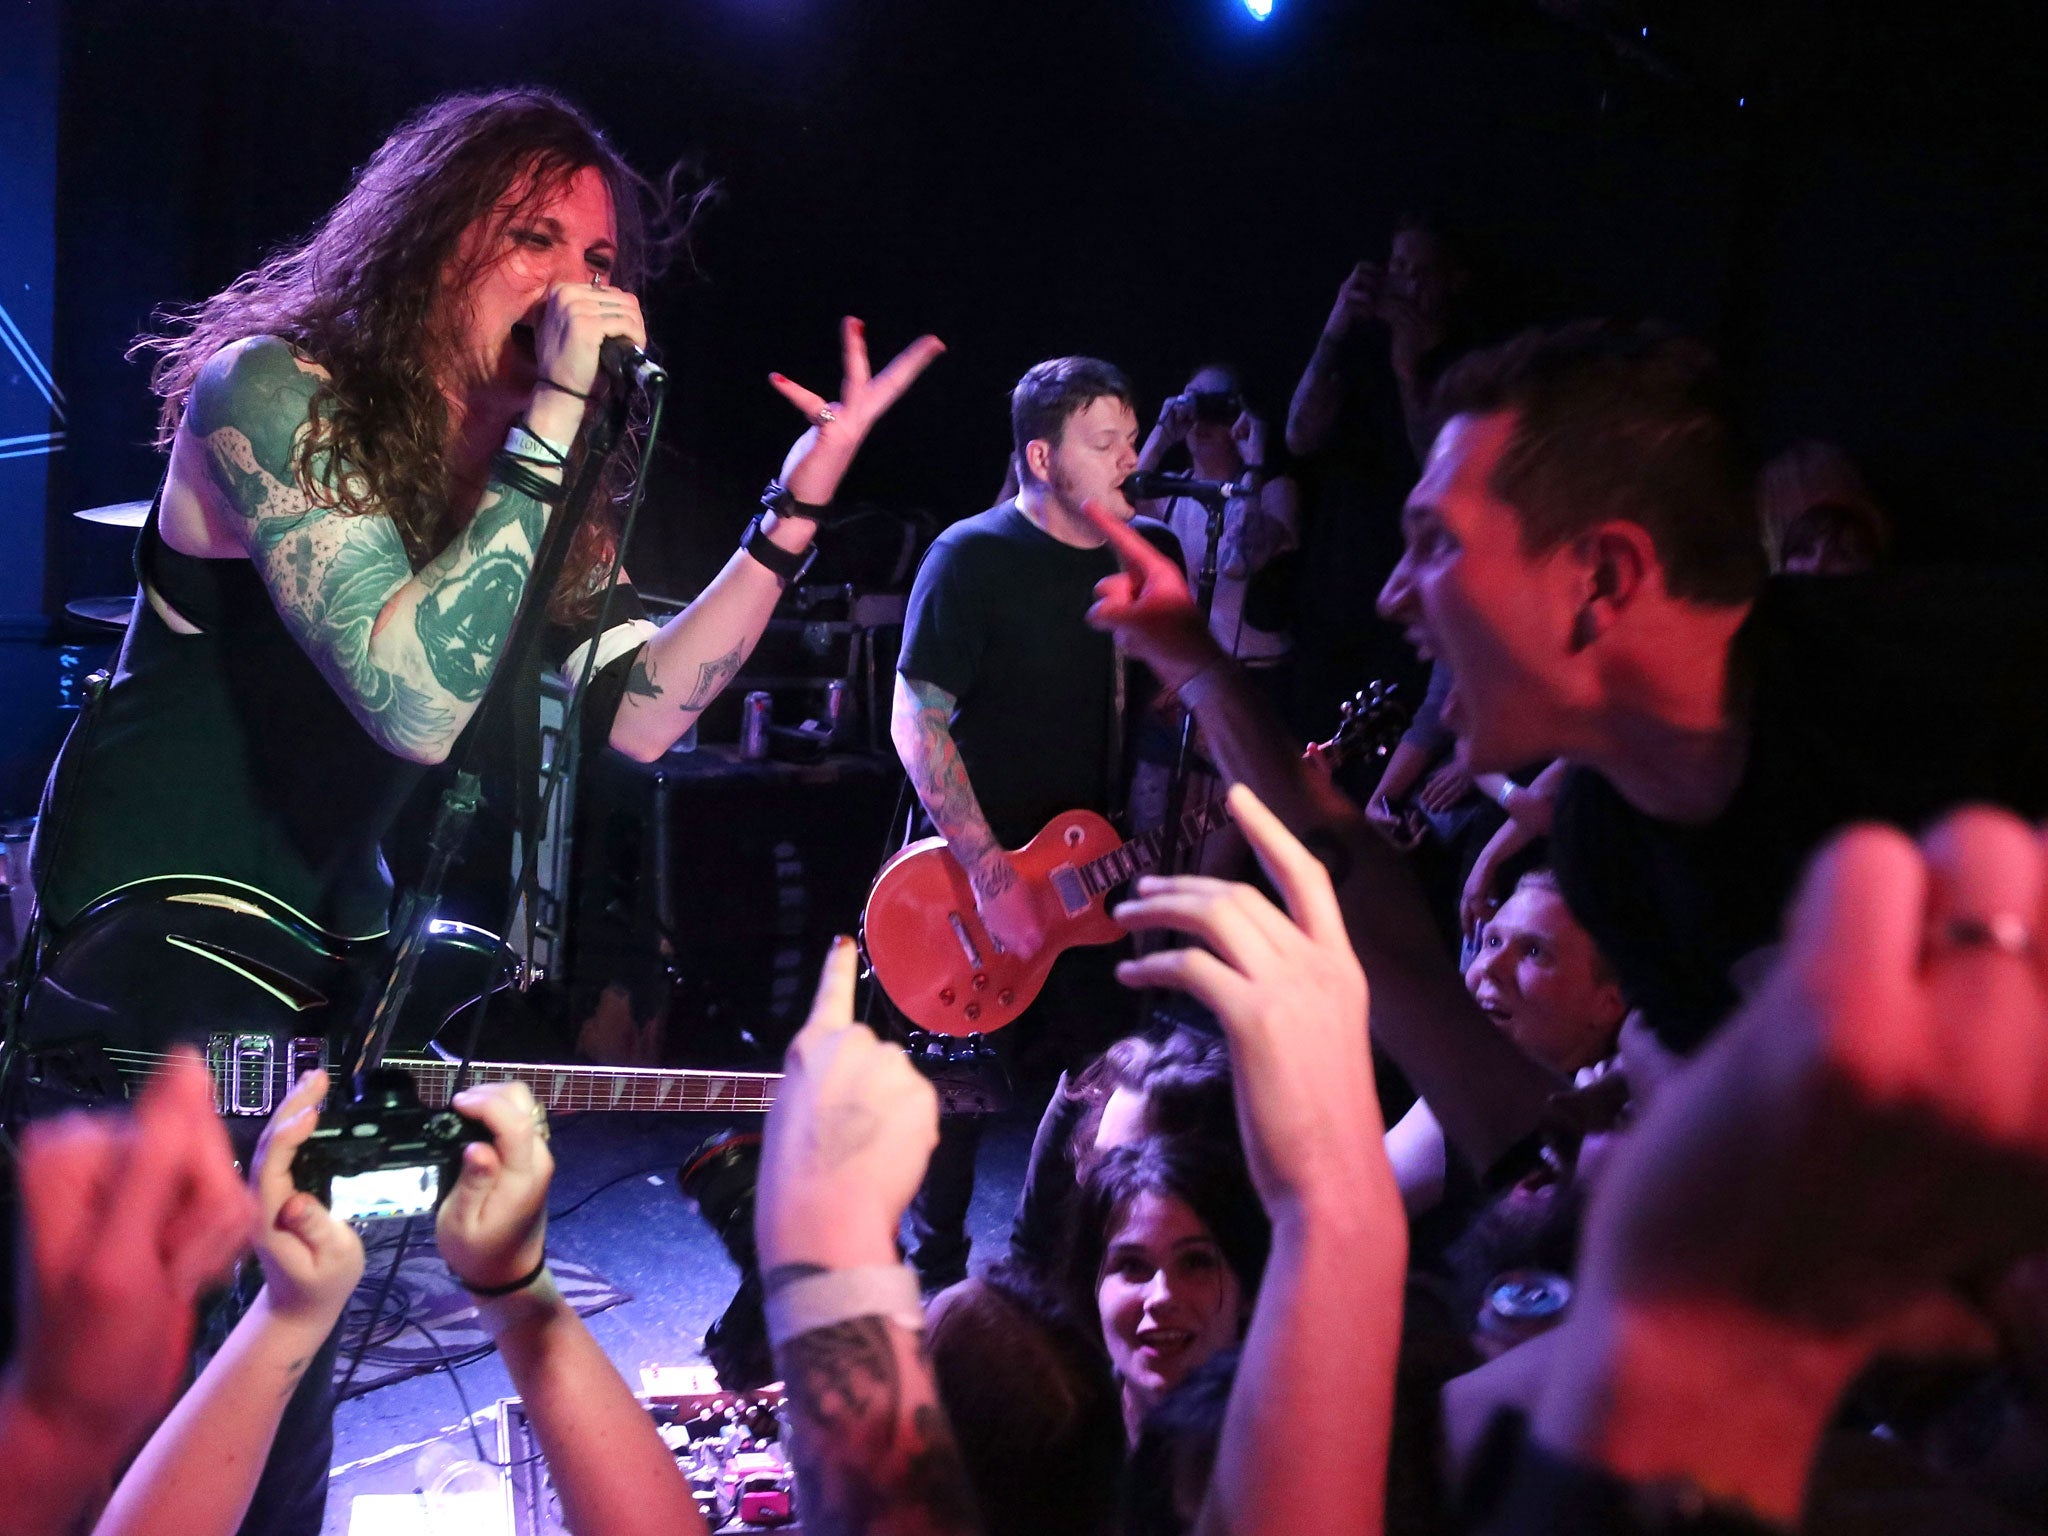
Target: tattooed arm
<point>684,667</point>
<point>408,653</point>
<point>874,1454</point>
<point>921,726</point>
<point>844,1149</point>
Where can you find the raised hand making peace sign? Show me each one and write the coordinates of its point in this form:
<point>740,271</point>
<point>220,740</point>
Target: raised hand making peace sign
<point>819,459</point>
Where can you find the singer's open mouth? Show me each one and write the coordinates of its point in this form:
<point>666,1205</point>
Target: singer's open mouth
<point>522,338</point>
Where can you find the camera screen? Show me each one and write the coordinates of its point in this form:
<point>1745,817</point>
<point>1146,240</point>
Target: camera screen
<point>384,1192</point>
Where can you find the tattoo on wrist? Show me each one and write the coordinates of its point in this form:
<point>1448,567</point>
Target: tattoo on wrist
<point>863,1464</point>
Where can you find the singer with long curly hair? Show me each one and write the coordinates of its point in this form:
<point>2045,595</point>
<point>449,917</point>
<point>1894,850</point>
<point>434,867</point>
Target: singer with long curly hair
<point>365,435</point>
<point>368,436</point>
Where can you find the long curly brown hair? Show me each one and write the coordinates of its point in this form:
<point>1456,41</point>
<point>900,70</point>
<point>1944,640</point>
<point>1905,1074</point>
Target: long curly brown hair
<point>362,295</point>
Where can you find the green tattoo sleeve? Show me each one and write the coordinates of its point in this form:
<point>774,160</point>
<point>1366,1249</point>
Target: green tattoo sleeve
<point>409,653</point>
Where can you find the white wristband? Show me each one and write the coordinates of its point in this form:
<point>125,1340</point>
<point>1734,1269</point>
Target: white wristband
<point>1196,690</point>
<point>523,443</point>
<point>840,1295</point>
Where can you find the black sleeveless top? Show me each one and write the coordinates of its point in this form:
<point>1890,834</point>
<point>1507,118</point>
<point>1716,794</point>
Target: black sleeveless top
<point>223,754</point>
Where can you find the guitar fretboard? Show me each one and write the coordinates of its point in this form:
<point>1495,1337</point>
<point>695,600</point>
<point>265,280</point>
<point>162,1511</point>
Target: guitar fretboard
<point>677,1090</point>
<point>1141,855</point>
<point>605,1088</point>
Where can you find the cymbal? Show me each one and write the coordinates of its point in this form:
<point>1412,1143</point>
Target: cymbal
<point>119,514</point>
<point>102,612</point>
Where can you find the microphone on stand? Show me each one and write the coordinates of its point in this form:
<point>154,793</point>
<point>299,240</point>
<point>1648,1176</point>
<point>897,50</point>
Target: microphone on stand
<point>629,365</point>
<point>1154,485</point>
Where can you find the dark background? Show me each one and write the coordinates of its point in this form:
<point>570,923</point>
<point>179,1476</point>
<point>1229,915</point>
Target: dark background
<point>1845,196</point>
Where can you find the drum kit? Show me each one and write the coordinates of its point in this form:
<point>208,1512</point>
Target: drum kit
<point>108,613</point>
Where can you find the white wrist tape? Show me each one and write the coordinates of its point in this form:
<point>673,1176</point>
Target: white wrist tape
<point>523,443</point>
<point>840,1295</point>
<point>1196,690</point>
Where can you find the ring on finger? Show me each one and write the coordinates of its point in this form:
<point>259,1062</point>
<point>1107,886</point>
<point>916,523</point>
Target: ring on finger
<point>540,1121</point>
<point>2005,932</point>
<point>825,415</point>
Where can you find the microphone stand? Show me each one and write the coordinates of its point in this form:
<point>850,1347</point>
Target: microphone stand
<point>381,1011</point>
<point>1205,599</point>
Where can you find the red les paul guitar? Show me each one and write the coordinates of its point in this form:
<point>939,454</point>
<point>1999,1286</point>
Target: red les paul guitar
<point>925,939</point>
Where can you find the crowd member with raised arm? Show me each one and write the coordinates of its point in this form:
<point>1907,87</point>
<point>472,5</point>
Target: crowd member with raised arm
<point>844,1150</point>
<point>1488,1094</point>
<point>127,1218</point>
<point>1010,710</point>
<point>1326,1331</point>
<point>1862,1148</point>
<point>198,1474</point>
<point>1357,427</point>
<point>610,1468</point>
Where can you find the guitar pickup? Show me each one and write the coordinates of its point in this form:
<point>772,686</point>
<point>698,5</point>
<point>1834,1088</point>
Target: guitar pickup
<point>242,1068</point>
<point>966,940</point>
<point>1066,884</point>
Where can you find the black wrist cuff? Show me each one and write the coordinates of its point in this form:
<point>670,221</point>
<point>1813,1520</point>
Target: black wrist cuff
<point>517,474</point>
<point>777,499</point>
<point>786,565</point>
<point>490,1292</point>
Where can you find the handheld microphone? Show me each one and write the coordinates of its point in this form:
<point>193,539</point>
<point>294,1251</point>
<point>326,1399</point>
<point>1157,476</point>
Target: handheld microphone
<point>629,365</point>
<point>1153,485</point>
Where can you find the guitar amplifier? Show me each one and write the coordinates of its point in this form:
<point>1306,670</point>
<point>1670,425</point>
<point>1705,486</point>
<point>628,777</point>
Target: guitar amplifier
<point>707,887</point>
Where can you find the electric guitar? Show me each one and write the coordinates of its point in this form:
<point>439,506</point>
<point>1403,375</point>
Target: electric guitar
<point>251,1076</point>
<point>267,994</point>
<point>924,938</point>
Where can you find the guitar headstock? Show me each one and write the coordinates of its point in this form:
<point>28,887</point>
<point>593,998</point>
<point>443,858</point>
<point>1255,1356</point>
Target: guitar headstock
<point>1369,724</point>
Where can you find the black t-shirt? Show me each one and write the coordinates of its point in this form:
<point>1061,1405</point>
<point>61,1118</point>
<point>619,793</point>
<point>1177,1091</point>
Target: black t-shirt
<point>1888,698</point>
<point>998,619</point>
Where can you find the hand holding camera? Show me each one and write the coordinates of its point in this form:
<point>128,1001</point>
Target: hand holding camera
<point>311,1260</point>
<point>492,1230</point>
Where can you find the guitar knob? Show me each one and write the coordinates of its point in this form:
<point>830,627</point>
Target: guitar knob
<point>973,1010</point>
<point>1006,997</point>
<point>946,996</point>
<point>981,981</point>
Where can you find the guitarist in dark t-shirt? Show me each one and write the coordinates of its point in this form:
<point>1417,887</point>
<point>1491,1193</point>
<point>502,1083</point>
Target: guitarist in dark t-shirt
<point>1008,711</point>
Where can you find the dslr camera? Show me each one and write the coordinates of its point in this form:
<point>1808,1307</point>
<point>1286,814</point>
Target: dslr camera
<point>1219,407</point>
<point>385,1155</point>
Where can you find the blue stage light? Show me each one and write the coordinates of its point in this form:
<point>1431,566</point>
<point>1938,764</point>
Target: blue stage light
<point>1260,9</point>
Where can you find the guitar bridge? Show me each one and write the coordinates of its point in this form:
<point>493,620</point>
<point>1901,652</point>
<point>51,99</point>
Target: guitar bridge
<point>243,1072</point>
<point>965,939</point>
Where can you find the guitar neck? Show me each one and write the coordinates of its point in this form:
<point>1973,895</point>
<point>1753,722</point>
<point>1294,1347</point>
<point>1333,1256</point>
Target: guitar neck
<point>670,1089</point>
<point>1141,855</point>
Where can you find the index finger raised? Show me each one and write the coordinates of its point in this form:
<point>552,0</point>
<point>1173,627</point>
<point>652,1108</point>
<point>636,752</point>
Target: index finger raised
<point>832,1003</point>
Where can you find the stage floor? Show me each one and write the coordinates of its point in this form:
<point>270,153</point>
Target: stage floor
<point>644,1238</point>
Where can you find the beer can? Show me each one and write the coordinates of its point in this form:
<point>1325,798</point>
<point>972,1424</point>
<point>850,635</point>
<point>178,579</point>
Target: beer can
<point>1519,1304</point>
<point>756,710</point>
<point>838,699</point>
